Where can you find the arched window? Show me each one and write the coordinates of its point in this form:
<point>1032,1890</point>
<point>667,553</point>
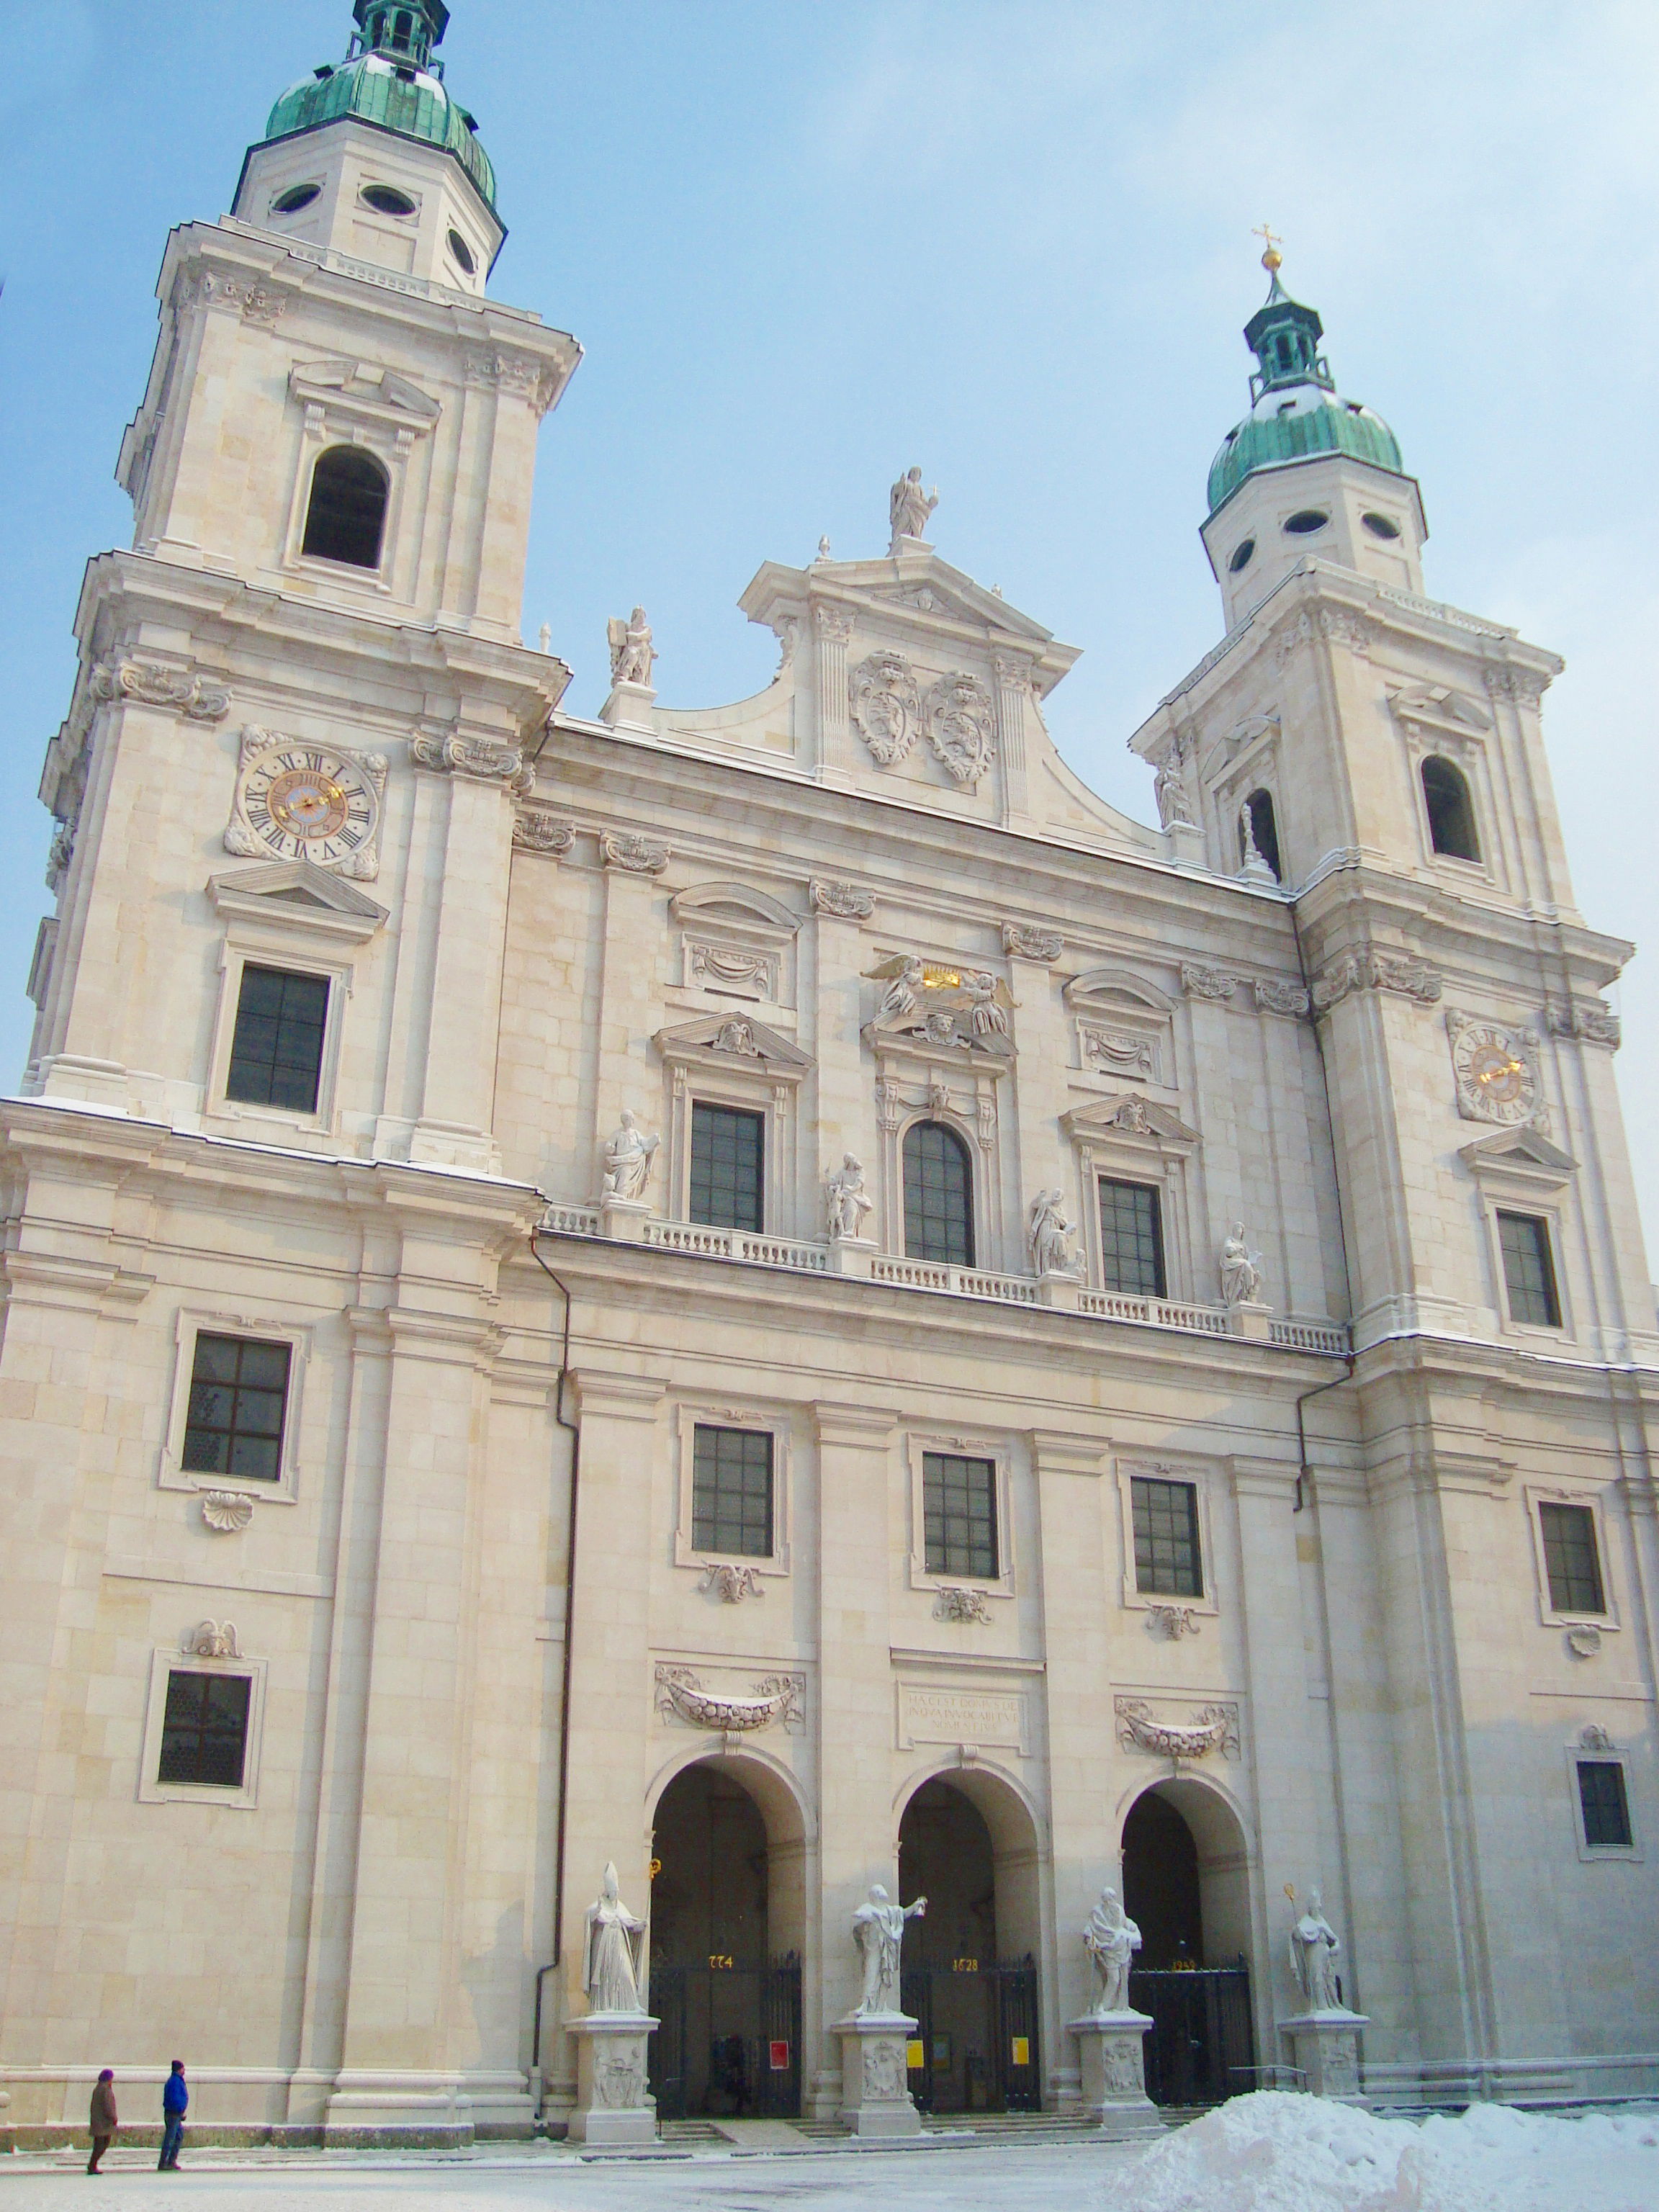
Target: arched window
<point>1451,812</point>
<point>1264,831</point>
<point>939,1196</point>
<point>347,514</point>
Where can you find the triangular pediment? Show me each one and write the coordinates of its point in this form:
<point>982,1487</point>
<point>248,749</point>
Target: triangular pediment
<point>378,391</point>
<point>1129,1115</point>
<point>734,1041</point>
<point>913,591</point>
<point>1524,1151</point>
<point>295,892</point>
<point>1439,705</point>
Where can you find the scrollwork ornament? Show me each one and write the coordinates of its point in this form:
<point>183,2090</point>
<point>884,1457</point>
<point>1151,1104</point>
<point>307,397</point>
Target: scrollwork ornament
<point>212,1639</point>
<point>849,901</point>
<point>151,684</point>
<point>1213,1728</point>
<point>1024,941</point>
<point>776,1697</point>
<point>535,831</point>
<point>483,759</point>
<point>633,854</point>
<point>885,707</point>
<point>1201,982</point>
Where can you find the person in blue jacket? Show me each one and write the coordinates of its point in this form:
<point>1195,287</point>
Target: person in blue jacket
<point>175,2103</point>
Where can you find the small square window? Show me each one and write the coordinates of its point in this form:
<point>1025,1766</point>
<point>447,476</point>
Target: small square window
<point>1604,1806</point>
<point>238,1402</point>
<point>732,1491</point>
<point>1168,1560</point>
<point>205,1732</point>
<point>959,1511</point>
<point>1570,1559</point>
<point>1131,1239</point>
<point>1528,1270</point>
<point>728,1175</point>
<point>276,1052</point>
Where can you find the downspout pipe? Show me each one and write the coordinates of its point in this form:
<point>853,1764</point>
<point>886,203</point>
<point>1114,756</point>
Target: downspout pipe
<point>1303,1469</point>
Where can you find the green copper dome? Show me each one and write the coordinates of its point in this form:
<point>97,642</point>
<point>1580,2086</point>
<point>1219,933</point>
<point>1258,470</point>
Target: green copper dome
<point>389,79</point>
<point>1295,410</point>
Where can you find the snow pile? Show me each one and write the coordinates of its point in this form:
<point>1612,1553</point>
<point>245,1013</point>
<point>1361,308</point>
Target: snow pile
<point>1273,2152</point>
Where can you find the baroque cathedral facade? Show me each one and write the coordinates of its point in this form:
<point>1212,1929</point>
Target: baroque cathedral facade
<point>777,1295</point>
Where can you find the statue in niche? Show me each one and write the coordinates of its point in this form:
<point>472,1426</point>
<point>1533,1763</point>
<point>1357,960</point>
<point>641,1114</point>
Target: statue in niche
<point>1047,1235</point>
<point>628,1158</point>
<point>1314,1946</point>
<point>610,1962</point>
<point>845,1198</point>
<point>1241,1269</point>
<point>1111,1939</point>
<point>1173,805</point>
<point>878,1931</point>
<point>631,650</point>
<point>909,506</point>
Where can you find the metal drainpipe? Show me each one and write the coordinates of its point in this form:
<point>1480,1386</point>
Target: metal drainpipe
<point>564,1701</point>
<point>1303,1469</point>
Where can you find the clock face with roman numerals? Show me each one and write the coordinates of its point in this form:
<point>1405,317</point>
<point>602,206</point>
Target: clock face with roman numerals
<point>308,803</point>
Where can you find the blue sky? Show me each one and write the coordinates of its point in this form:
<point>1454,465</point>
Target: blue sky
<point>805,244</point>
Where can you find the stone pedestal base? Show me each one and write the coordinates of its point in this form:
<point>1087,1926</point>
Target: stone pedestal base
<point>629,706</point>
<point>624,1218</point>
<point>1249,1318</point>
<point>1185,842</point>
<point>1324,2048</point>
<point>875,2095</point>
<point>851,1255</point>
<point>1060,1289</point>
<point>1114,2072</point>
<point>612,2103</point>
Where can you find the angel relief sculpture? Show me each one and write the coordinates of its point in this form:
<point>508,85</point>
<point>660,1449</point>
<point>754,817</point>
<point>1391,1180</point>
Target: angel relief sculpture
<point>965,1009</point>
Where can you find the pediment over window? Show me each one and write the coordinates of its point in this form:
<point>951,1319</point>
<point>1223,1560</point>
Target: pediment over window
<point>1437,706</point>
<point>378,395</point>
<point>733,1041</point>
<point>1108,986</point>
<point>1520,1155</point>
<point>294,894</point>
<point>734,905</point>
<point>1131,1115</point>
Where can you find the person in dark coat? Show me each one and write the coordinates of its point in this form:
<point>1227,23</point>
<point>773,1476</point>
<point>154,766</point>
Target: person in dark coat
<point>175,2102</point>
<point>104,2119</point>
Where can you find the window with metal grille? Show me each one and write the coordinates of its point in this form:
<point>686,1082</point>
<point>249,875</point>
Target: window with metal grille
<point>1571,1559</point>
<point>939,1196</point>
<point>1168,1562</point>
<point>732,1491</point>
<point>728,1183</point>
<point>204,1734</point>
<point>1528,1270</point>
<point>345,516</point>
<point>959,1513</point>
<point>276,1051</point>
<point>1130,1238</point>
<point>238,1399</point>
<point>1602,1802</point>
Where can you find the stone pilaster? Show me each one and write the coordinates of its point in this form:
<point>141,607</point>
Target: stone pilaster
<point>832,627</point>
<point>1013,696</point>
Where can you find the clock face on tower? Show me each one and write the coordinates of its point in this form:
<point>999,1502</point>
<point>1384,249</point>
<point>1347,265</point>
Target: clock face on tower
<point>296,801</point>
<point>1496,1081</point>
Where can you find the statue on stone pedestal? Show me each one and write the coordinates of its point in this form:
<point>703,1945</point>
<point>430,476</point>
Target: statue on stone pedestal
<point>1047,1235</point>
<point>1173,805</point>
<point>627,1160</point>
<point>1240,1276</point>
<point>1111,1939</point>
<point>878,1931</point>
<point>1314,1946</point>
<point>611,1963</point>
<point>909,506</point>
<point>845,1199</point>
<point>631,650</point>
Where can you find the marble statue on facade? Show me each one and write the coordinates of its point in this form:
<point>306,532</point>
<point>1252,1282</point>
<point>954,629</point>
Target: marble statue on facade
<point>878,1931</point>
<point>989,1016</point>
<point>1314,1946</point>
<point>909,506</point>
<point>611,1963</point>
<point>1111,1939</point>
<point>631,650</point>
<point>1047,1235</point>
<point>1241,1272</point>
<point>900,997</point>
<point>1173,805</point>
<point>845,1198</point>
<point>628,1158</point>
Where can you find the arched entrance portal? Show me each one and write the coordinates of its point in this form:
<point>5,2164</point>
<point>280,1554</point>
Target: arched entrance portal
<point>1186,1882</point>
<point>726,1909</point>
<point>969,1976</point>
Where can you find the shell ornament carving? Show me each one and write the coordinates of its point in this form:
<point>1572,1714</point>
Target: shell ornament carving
<point>226,1510</point>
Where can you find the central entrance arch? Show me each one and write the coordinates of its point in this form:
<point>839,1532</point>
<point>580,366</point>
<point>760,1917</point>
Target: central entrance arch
<point>1186,1883</point>
<point>968,1844</point>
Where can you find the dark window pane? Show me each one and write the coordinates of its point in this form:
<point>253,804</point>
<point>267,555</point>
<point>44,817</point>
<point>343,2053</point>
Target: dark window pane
<point>276,1053</point>
<point>204,1732</point>
<point>1167,1559</point>
<point>1451,817</point>
<point>1131,1239</point>
<point>960,1514</point>
<point>1264,827</point>
<point>728,1189</point>
<point>1529,1271</point>
<point>1570,1559</point>
<point>234,1422</point>
<point>347,514</point>
<point>732,1491</point>
<point>1605,1808</point>
<point>939,1196</point>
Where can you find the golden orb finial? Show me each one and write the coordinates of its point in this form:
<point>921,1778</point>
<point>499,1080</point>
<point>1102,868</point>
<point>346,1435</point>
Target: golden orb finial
<point>1272,260</point>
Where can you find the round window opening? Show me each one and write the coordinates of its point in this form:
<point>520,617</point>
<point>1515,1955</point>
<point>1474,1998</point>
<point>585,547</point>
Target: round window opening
<point>290,202</point>
<point>1305,521</point>
<point>1380,526</point>
<point>462,252</point>
<point>1242,553</point>
<point>386,200</point>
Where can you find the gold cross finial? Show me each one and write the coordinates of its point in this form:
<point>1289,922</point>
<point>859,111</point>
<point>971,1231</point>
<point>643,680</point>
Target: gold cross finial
<point>1271,258</point>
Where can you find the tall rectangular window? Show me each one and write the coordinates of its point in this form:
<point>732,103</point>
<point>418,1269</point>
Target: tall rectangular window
<point>238,1402</point>
<point>1168,1561</point>
<point>732,1491</point>
<point>1602,1802</point>
<point>728,1187</point>
<point>276,1052</point>
<point>1570,1559</point>
<point>1528,1270</point>
<point>959,1513</point>
<point>204,1735</point>
<point>1130,1238</point>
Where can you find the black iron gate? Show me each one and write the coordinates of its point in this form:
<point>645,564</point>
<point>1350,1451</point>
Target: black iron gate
<point>1006,2075</point>
<point>1201,2047</point>
<point>729,2040</point>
